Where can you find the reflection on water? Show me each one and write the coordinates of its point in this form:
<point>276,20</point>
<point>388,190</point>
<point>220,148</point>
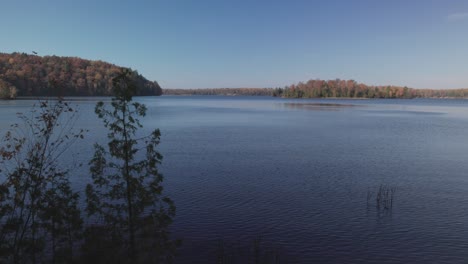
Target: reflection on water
<point>403,112</point>
<point>318,106</point>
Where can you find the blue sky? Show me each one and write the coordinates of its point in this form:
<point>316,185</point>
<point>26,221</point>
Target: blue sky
<point>248,43</point>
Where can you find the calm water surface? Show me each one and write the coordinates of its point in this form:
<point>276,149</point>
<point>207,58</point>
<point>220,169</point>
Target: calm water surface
<point>297,173</point>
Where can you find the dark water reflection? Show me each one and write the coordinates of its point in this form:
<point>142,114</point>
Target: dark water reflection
<point>243,167</point>
<point>313,106</point>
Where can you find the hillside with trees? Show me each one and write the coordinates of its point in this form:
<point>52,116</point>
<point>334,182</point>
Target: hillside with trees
<point>30,75</point>
<point>7,90</point>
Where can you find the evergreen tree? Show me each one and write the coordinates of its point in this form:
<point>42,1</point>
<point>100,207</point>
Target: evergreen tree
<point>126,192</point>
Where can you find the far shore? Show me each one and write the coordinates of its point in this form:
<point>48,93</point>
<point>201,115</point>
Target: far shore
<point>78,97</point>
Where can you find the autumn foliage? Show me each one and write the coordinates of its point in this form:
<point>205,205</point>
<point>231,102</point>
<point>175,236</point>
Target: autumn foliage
<point>352,89</point>
<point>36,76</point>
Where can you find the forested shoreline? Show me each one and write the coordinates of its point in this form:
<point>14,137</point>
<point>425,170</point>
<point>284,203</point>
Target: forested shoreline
<point>221,91</point>
<point>23,74</point>
<point>329,89</point>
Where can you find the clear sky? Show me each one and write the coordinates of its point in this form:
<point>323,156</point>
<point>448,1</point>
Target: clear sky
<point>250,43</point>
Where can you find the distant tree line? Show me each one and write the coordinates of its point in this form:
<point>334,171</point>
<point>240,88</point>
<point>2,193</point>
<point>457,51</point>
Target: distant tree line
<point>32,75</point>
<point>221,91</point>
<point>352,89</point>
<point>329,89</point>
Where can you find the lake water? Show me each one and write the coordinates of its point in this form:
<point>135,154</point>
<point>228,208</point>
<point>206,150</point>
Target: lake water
<point>297,172</point>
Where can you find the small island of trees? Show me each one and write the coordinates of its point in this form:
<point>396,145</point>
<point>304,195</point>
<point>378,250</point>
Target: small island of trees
<point>351,89</point>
